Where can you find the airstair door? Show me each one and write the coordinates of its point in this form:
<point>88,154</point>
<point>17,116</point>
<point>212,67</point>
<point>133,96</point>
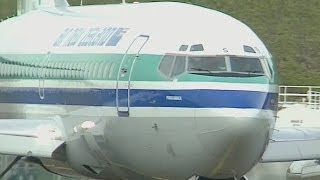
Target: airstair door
<point>125,72</point>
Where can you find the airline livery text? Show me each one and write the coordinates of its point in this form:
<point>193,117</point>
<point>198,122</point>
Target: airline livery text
<point>84,37</point>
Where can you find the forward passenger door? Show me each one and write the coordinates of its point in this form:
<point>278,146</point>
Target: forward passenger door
<point>125,73</point>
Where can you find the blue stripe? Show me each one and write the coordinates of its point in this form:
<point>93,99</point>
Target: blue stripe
<point>143,98</point>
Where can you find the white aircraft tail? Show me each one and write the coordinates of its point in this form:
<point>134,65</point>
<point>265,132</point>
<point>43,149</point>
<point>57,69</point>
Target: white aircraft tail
<point>24,6</point>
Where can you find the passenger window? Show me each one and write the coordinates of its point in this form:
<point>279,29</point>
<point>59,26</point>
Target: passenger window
<point>166,65</point>
<point>179,66</point>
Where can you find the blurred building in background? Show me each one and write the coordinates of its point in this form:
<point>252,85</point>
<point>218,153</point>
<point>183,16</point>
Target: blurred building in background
<point>24,6</point>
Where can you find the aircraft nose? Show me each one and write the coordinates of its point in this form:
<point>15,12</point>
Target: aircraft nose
<point>233,139</point>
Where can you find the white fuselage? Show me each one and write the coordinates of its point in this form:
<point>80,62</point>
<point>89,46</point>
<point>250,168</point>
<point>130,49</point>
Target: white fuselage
<point>171,128</point>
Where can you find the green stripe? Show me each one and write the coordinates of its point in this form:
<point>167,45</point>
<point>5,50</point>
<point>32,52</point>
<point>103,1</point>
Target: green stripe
<point>97,67</point>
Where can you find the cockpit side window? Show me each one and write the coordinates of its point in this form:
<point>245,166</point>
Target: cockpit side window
<point>172,66</point>
<point>179,66</point>
<point>166,64</point>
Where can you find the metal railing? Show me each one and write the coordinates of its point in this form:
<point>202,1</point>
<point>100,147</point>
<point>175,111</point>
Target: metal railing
<point>307,95</point>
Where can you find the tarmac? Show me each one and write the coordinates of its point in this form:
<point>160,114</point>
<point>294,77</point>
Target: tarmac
<point>269,171</point>
<point>265,171</point>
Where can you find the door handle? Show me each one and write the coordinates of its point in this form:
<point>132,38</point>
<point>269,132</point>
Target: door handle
<point>124,70</point>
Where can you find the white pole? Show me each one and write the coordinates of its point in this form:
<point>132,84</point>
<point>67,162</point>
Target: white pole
<point>81,3</point>
<point>19,7</point>
<point>123,1</point>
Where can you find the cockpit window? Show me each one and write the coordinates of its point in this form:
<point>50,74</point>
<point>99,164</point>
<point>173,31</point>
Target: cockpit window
<point>229,66</point>
<point>166,65</point>
<point>207,63</point>
<point>248,65</point>
<point>197,47</point>
<point>172,66</point>
<point>179,66</point>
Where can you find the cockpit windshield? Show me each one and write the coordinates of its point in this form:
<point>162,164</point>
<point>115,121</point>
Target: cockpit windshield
<point>243,64</point>
<point>225,66</point>
<point>229,66</point>
<point>207,63</point>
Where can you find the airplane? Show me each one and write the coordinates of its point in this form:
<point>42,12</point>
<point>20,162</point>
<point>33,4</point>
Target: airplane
<point>302,112</point>
<point>160,90</point>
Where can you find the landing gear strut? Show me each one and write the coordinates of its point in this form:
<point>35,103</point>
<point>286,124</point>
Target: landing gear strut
<point>10,166</point>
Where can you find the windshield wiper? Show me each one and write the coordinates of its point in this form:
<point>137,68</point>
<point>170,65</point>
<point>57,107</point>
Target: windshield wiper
<point>253,73</point>
<point>238,73</point>
<point>227,73</point>
<point>201,69</point>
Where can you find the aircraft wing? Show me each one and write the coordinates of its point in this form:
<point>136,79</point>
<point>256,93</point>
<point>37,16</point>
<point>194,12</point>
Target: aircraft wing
<point>293,144</point>
<point>23,137</point>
